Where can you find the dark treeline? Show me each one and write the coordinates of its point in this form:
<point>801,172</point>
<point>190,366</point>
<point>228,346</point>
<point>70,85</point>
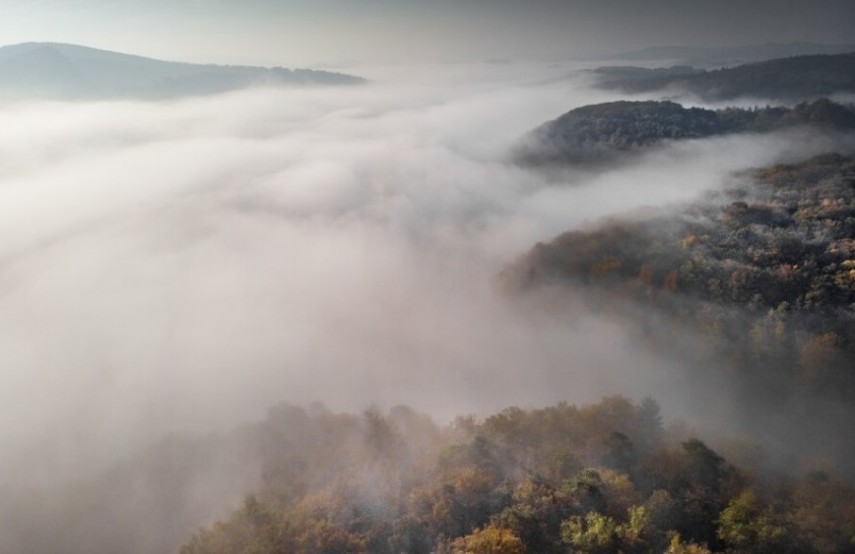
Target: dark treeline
<point>796,78</point>
<point>597,479</point>
<point>600,132</point>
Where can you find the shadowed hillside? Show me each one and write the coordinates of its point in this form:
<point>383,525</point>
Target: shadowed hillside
<point>601,132</point>
<point>796,78</point>
<point>761,273</point>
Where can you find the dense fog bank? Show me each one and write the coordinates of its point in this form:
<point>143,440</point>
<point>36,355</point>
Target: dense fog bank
<point>179,267</point>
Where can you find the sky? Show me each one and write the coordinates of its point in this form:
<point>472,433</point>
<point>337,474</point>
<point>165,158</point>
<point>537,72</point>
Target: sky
<point>336,32</point>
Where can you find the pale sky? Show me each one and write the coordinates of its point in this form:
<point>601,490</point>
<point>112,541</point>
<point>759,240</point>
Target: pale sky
<point>309,32</point>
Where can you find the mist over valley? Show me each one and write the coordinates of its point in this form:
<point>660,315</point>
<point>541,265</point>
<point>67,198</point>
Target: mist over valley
<point>427,306</point>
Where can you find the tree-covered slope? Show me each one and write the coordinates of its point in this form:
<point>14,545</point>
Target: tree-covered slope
<point>594,479</point>
<point>600,132</point>
<point>766,268</point>
<point>796,78</point>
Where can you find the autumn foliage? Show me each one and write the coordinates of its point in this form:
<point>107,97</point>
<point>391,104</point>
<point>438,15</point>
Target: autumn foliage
<point>596,479</point>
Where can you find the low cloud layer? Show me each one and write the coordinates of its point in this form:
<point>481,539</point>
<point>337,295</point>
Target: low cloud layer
<point>182,266</point>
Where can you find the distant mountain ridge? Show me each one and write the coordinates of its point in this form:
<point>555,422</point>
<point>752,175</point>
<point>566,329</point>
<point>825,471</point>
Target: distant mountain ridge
<point>731,55</point>
<point>54,70</point>
<point>790,79</point>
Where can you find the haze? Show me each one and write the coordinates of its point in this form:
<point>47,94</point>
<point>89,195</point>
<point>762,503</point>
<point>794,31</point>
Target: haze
<point>183,266</point>
<point>293,32</point>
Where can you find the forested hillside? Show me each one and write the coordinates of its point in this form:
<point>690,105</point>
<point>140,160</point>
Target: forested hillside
<point>796,78</point>
<point>601,132</point>
<point>596,479</point>
<point>764,270</point>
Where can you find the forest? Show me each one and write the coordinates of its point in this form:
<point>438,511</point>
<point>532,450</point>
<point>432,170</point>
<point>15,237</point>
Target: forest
<point>753,285</point>
<point>602,132</point>
<point>601,478</point>
<point>765,267</point>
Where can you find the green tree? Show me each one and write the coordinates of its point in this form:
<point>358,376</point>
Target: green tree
<point>677,546</point>
<point>747,525</point>
<point>592,534</point>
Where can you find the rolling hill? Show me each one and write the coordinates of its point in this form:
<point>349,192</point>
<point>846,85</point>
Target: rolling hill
<point>602,132</point>
<point>764,269</point>
<point>66,71</point>
<point>786,79</point>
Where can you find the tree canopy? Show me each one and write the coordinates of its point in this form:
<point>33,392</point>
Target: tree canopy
<point>474,487</point>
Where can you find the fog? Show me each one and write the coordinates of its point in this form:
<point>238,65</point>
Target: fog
<point>179,267</point>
